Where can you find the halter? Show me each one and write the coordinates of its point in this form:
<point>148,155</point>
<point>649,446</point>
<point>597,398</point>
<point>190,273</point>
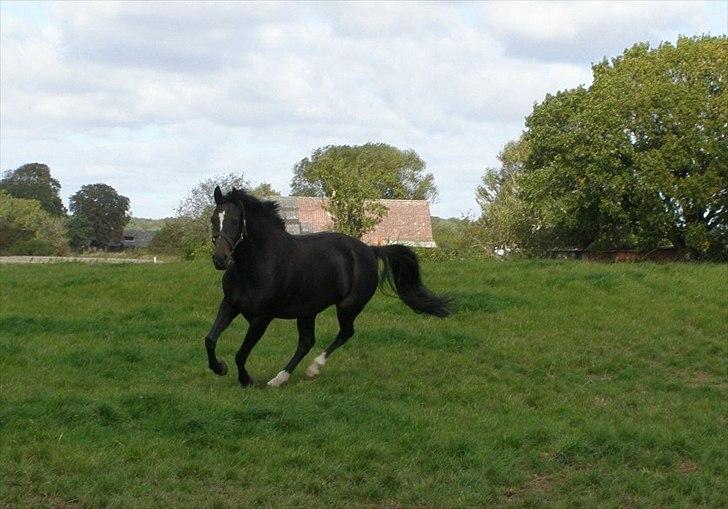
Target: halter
<point>233,245</point>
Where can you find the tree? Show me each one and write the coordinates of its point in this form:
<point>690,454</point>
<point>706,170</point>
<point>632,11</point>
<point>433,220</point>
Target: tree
<point>390,172</point>
<point>351,212</point>
<point>512,157</point>
<point>106,211</point>
<point>199,201</point>
<point>354,178</point>
<point>33,181</point>
<point>23,220</point>
<point>80,232</point>
<point>507,221</point>
<point>264,190</point>
<point>640,158</point>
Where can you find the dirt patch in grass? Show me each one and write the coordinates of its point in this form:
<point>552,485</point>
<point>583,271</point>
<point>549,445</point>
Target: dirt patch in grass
<point>688,466</point>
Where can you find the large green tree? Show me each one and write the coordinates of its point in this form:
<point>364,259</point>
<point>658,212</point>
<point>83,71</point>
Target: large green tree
<point>354,178</point>
<point>389,172</point>
<point>640,158</point>
<point>106,211</point>
<point>33,181</point>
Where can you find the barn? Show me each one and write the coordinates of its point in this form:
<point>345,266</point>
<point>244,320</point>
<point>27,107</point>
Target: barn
<point>407,222</point>
<point>137,238</point>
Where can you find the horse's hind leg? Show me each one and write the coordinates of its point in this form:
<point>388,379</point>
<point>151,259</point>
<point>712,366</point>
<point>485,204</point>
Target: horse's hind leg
<point>346,318</point>
<point>306,338</point>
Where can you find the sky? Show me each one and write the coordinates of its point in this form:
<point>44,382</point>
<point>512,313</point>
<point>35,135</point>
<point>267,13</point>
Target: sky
<point>152,98</point>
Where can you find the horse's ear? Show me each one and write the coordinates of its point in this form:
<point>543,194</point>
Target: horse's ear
<point>235,193</point>
<point>217,194</point>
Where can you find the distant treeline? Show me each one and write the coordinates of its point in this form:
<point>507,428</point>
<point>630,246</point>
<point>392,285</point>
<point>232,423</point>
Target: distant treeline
<point>145,224</point>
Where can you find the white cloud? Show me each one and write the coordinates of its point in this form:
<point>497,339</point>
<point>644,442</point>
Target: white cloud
<point>586,31</point>
<point>153,97</point>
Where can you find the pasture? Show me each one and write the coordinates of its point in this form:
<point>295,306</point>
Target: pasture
<point>554,384</point>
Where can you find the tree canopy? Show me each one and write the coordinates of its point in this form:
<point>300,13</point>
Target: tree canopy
<point>33,181</point>
<point>637,160</point>
<point>106,211</point>
<point>387,171</point>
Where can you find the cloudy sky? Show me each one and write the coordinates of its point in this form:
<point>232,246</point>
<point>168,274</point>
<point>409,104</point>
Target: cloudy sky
<point>152,98</point>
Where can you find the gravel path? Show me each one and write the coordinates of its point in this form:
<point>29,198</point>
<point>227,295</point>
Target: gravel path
<point>82,259</point>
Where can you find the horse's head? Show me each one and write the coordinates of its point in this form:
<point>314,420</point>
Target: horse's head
<point>228,227</point>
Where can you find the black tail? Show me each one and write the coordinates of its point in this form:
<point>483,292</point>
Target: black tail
<point>402,273</point>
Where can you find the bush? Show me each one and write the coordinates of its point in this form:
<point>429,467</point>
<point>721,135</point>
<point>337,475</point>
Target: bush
<point>31,247</point>
<point>183,236</point>
<point>22,220</point>
<point>456,239</point>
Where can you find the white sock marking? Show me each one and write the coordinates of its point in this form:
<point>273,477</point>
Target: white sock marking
<point>279,379</point>
<point>315,368</point>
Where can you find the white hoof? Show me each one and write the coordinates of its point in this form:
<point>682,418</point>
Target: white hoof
<point>315,368</point>
<point>279,379</point>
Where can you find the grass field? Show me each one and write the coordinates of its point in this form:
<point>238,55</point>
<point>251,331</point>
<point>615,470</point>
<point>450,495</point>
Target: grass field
<point>554,385</point>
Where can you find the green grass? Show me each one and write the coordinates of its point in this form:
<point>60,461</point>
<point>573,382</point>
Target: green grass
<point>554,385</point>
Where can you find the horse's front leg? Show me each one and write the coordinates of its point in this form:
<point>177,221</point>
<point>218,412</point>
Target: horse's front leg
<point>225,315</point>
<point>255,332</point>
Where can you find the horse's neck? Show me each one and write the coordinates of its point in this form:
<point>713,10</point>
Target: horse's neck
<point>261,247</point>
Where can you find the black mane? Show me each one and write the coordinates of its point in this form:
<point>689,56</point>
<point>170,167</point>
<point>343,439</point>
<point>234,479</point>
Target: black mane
<point>259,209</point>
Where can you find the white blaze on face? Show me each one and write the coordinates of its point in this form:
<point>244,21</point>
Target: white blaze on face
<point>221,217</point>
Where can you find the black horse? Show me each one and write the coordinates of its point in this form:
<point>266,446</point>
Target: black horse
<point>272,274</point>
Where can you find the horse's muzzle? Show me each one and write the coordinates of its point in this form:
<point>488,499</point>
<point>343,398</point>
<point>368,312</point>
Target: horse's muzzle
<point>222,262</point>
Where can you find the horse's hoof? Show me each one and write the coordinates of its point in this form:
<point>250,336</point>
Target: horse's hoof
<point>248,382</point>
<point>279,379</point>
<point>314,369</point>
<point>221,369</point>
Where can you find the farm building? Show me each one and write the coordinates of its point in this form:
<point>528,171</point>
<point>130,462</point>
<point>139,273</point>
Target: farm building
<point>137,238</point>
<point>407,222</point>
